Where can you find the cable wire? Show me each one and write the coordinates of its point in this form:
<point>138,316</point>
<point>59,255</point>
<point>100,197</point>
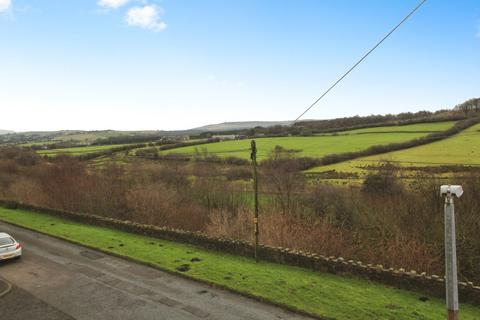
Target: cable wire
<point>360,61</point>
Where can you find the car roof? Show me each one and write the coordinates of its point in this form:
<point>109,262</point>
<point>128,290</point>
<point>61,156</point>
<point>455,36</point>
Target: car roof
<point>4,235</point>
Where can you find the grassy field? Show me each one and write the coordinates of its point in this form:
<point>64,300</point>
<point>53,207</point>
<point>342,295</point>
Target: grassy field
<point>461,149</point>
<point>75,151</point>
<point>320,145</point>
<point>419,127</point>
<point>322,294</point>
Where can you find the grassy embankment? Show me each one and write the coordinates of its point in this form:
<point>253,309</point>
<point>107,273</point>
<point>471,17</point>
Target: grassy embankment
<point>462,149</point>
<point>321,145</point>
<point>321,294</point>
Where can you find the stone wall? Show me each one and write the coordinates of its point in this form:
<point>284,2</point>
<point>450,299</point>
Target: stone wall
<point>400,278</point>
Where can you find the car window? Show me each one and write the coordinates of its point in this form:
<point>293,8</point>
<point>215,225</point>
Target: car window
<point>6,241</point>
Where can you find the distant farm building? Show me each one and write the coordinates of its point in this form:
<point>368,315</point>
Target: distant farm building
<point>224,137</point>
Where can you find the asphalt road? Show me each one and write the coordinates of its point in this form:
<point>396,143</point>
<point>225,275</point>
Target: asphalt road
<point>71,281</point>
<point>18,304</point>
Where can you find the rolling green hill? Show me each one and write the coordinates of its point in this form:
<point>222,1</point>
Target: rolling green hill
<point>320,145</point>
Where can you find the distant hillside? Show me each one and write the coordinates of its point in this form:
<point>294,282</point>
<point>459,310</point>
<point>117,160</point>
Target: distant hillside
<point>70,138</point>
<point>228,126</point>
<point>304,127</point>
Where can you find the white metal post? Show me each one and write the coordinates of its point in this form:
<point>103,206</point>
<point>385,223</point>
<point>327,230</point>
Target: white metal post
<point>451,281</point>
<point>451,259</point>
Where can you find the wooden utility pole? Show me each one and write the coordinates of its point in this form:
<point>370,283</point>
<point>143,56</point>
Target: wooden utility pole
<point>253,156</point>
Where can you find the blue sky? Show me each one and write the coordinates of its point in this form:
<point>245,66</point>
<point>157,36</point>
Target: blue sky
<point>176,64</point>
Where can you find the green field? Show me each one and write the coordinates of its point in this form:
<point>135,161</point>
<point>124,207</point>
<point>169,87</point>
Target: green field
<point>320,145</point>
<point>461,149</point>
<point>419,127</point>
<point>75,151</point>
<point>322,294</point>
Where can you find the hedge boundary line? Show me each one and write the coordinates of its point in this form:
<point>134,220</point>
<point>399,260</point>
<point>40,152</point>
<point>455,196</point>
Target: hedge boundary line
<point>391,123</point>
<point>399,278</point>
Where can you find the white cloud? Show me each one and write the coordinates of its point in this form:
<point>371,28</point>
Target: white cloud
<point>478,30</point>
<point>5,5</point>
<point>147,17</point>
<point>112,4</point>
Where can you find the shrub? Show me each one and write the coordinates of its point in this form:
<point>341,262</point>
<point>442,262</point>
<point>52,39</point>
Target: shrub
<point>383,182</point>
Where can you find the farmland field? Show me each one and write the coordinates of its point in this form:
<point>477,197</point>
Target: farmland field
<point>320,145</point>
<point>461,149</point>
<point>79,150</point>
<point>419,127</point>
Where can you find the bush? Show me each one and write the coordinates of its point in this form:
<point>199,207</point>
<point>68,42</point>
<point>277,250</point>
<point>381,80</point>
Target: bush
<point>383,182</point>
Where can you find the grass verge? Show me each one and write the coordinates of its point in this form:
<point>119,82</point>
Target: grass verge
<point>324,295</point>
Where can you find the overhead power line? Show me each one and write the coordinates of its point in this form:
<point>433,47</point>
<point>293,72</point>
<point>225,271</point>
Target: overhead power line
<point>361,60</point>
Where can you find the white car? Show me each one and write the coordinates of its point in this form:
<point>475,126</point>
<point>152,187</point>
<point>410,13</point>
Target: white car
<point>9,247</point>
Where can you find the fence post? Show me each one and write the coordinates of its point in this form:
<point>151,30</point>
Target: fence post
<point>253,156</point>
<point>451,281</point>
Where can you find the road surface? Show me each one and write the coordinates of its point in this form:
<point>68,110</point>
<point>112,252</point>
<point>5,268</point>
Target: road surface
<point>73,282</point>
